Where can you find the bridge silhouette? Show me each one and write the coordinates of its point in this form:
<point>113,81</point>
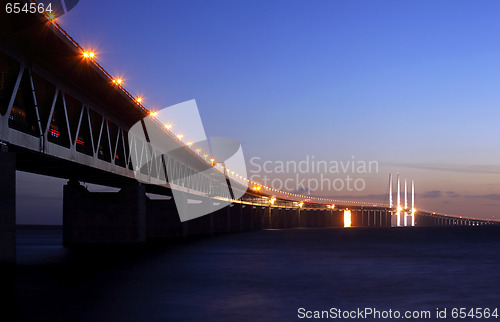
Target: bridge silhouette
<point>63,115</point>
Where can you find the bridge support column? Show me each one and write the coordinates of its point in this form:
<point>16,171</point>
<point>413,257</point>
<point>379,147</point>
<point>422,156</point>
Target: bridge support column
<point>103,217</point>
<point>386,217</point>
<point>247,217</point>
<point>199,226</point>
<point>7,209</point>
<point>162,219</point>
<point>265,217</point>
<point>256,218</point>
<point>236,217</point>
<point>222,220</point>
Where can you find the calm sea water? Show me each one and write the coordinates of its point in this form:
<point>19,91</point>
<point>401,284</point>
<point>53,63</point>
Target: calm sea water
<point>258,276</point>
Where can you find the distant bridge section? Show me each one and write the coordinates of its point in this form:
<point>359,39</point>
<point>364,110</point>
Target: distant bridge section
<point>434,219</point>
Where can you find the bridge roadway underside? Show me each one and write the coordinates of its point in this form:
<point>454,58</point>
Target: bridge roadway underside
<point>130,216</point>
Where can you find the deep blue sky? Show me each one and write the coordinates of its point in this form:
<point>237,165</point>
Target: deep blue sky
<point>412,84</point>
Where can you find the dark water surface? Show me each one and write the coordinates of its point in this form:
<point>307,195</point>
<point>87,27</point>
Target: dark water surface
<point>258,276</point>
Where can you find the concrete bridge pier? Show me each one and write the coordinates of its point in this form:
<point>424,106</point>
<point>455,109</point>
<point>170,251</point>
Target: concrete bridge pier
<point>277,221</point>
<point>356,218</point>
<point>247,222</point>
<point>104,217</point>
<point>7,209</point>
<point>271,214</point>
<point>256,218</point>
<point>386,217</point>
<point>162,220</point>
<point>265,215</point>
<point>222,220</point>
<point>307,218</point>
<point>329,221</point>
<point>315,218</point>
<point>292,217</point>
<point>236,217</point>
<point>336,218</point>
<point>287,218</point>
<point>323,217</point>
<point>199,226</point>
<point>274,218</point>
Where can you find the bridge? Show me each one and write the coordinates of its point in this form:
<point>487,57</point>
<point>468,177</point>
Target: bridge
<point>63,115</point>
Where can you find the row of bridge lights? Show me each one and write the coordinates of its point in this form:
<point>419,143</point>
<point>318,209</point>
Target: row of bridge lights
<point>118,81</point>
<point>256,187</point>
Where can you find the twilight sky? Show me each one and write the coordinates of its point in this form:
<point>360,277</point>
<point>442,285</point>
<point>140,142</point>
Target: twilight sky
<point>413,85</point>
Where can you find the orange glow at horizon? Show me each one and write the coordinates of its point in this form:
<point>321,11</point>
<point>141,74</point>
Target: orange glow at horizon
<point>347,218</point>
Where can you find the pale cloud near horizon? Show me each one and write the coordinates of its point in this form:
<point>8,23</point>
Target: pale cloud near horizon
<point>464,168</point>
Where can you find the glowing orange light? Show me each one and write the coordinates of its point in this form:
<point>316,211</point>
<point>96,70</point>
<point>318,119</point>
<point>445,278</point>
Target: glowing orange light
<point>198,150</point>
<point>51,16</point>
<point>189,144</point>
<point>168,126</point>
<point>153,113</point>
<point>347,218</point>
<point>272,200</point>
<point>301,204</point>
<point>138,99</point>
<point>180,136</point>
<point>256,188</point>
<point>117,81</point>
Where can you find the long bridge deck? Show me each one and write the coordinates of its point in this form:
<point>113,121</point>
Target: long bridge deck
<point>63,115</point>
